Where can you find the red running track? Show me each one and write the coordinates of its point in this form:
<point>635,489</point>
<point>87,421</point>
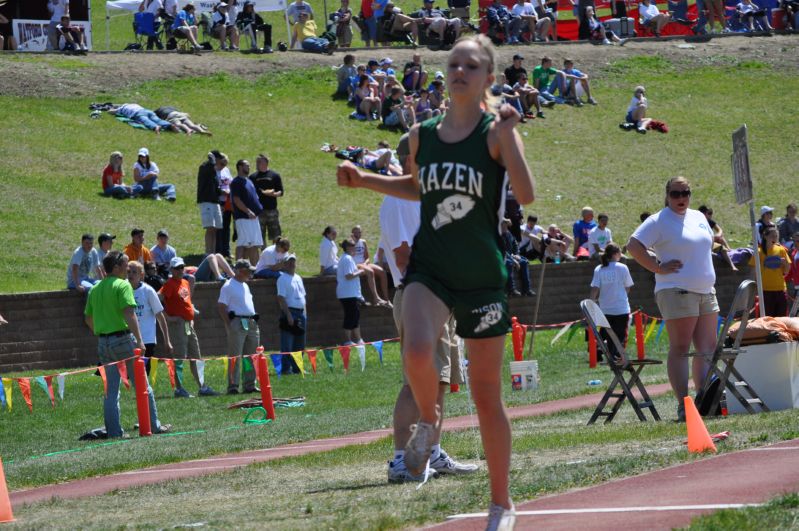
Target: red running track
<point>663,499</point>
<point>198,467</point>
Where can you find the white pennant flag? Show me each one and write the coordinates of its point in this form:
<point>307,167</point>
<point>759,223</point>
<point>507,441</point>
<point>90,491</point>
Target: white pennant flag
<point>361,355</point>
<point>201,371</point>
<point>560,333</point>
<point>60,381</point>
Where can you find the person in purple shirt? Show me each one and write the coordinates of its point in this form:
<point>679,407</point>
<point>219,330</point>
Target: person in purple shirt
<point>581,228</point>
<point>246,208</point>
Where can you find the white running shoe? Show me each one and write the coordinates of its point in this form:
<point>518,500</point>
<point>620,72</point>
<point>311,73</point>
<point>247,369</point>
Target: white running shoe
<point>398,473</point>
<point>419,447</point>
<point>500,518</point>
<point>444,464</point>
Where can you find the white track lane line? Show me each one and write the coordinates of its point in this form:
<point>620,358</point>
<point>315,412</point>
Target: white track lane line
<point>715,506</point>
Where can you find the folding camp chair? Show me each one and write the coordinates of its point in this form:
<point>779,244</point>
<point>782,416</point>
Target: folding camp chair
<point>626,372</point>
<point>144,28</point>
<point>711,391</point>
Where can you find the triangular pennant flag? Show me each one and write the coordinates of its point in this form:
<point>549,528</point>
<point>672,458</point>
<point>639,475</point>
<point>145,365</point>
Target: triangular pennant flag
<point>123,374</point>
<point>247,361</point>
<point>201,372</point>
<point>572,332</point>
<point>48,380</point>
<point>224,368</point>
<point>101,370</point>
<point>153,371</point>
<point>41,383</point>
<point>650,330</point>
<point>660,331</point>
<point>61,384</point>
<point>277,362</point>
<point>378,345</point>
<point>297,357</point>
<point>719,323</point>
<point>560,333</point>
<point>345,357</point>
<point>328,352</point>
<point>25,387</point>
<point>361,356</point>
<point>312,359</point>
<point>170,365</point>
<point>2,393</point>
<point>9,393</point>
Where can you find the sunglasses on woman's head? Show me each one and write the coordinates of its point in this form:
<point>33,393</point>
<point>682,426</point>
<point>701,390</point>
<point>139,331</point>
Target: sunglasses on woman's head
<point>676,194</point>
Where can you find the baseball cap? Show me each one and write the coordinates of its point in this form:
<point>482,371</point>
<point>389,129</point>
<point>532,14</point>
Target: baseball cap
<point>176,262</point>
<point>439,75</point>
<point>290,256</point>
<point>163,232</point>
<point>765,209</point>
<point>87,236</point>
<point>136,231</point>
<point>518,57</point>
<point>372,62</point>
<point>105,237</point>
<point>243,264</point>
<point>386,61</point>
<point>144,152</point>
<point>221,4</point>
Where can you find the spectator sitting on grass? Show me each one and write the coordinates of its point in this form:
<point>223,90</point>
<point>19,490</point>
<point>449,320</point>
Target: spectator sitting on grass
<point>328,252</point>
<point>438,96</point>
<point>636,112</point>
<point>366,100</point>
<point>381,160</point>
<point>181,121</point>
<point>138,114</point>
<point>304,32</point>
<point>348,292</point>
<point>398,110</point>
<point>185,25</point>
<point>344,75</point>
<point>250,23</point>
<point>720,244</point>
<point>413,75</point>
<point>272,260</point>
<point>572,76</point>
<point>547,80</point>
<point>145,173</point>
<point>581,229</point>
<point>424,110</point>
<point>74,40</point>
<point>529,97</point>
<point>112,179</point>
<point>84,269</point>
<point>373,271</point>
<point>599,237</point>
<point>502,90</point>
<point>514,262</point>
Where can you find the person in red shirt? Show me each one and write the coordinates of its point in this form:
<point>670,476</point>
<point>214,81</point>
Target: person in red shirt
<point>175,295</point>
<point>112,179</point>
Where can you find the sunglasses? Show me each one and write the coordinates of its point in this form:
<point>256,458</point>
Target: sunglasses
<point>676,194</point>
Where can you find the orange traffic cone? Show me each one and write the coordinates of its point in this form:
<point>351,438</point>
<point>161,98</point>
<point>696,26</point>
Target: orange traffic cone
<point>5,503</point>
<point>698,437</point>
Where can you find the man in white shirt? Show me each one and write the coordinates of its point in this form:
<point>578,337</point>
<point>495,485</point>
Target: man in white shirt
<point>291,299</point>
<point>149,311</point>
<point>529,248</point>
<point>599,237</point>
<point>525,17</point>
<point>57,9</point>
<point>237,310</point>
<point>652,17</point>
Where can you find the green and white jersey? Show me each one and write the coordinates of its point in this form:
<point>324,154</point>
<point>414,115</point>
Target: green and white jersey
<point>462,201</point>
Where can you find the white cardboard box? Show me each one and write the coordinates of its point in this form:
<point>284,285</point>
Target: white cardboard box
<point>773,372</point>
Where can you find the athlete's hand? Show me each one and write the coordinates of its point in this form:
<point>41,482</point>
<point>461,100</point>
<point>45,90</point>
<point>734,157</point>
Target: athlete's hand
<point>506,119</point>
<point>348,175</point>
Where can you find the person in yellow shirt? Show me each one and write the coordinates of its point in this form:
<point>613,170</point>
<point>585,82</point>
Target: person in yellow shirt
<point>136,250</point>
<point>774,265</point>
<point>304,32</point>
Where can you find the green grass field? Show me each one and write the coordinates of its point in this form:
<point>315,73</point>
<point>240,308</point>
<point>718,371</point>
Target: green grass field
<point>50,191</point>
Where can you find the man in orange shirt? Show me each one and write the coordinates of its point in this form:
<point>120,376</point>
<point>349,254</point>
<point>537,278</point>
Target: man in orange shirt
<point>176,298</point>
<point>136,250</point>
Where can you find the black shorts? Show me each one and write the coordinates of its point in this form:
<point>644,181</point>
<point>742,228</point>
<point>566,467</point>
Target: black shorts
<point>352,314</point>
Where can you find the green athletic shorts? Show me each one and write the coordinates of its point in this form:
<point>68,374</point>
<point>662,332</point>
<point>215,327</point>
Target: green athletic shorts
<point>478,313</point>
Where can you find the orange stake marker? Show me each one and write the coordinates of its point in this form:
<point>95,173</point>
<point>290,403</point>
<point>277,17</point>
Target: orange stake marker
<point>698,437</point>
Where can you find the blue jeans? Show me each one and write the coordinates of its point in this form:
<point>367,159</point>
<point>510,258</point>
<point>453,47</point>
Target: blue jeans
<point>150,120</point>
<point>371,29</point>
<point>121,192</point>
<point>152,187</point>
<point>315,44</point>
<point>516,104</point>
<point>109,350</point>
<point>524,274</point>
<point>266,273</point>
<point>291,343</point>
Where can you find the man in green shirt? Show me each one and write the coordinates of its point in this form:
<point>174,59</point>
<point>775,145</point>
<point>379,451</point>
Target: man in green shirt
<point>110,315</point>
<point>548,79</point>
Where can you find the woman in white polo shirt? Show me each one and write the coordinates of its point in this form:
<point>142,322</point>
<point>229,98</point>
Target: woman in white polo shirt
<point>609,287</point>
<point>684,280</point>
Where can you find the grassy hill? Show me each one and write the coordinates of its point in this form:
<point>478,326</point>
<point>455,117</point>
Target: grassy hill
<point>52,153</point>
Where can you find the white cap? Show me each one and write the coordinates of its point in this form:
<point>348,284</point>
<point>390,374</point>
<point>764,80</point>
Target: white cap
<point>765,209</point>
<point>144,152</point>
<point>439,75</point>
<point>290,256</point>
<point>176,262</point>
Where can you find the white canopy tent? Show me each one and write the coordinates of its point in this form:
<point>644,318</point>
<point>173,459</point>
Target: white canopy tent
<point>201,5</point>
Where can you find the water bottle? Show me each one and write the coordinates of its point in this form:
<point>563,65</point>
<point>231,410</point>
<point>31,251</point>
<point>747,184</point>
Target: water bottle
<point>723,403</point>
<point>557,257</point>
<point>594,382</point>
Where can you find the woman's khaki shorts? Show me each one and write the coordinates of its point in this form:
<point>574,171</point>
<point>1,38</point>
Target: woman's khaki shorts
<point>676,303</point>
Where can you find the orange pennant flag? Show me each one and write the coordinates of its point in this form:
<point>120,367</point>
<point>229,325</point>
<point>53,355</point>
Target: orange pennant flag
<point>170,365</point>
<point>345,357</point>
<point>25,387</point>
<point>123,373</point>
<point>312,359</point>
<point>49,381</point>
<point>101,369</point>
